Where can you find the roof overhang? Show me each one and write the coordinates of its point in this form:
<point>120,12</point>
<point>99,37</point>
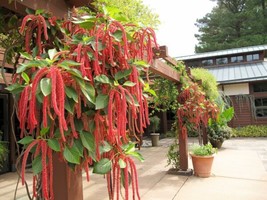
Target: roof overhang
<point>240,73</point>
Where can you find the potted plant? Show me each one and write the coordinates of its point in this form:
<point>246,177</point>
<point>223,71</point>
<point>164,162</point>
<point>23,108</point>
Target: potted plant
<point>218,130</point>
<point>154,125</point>
<point>202,159</point>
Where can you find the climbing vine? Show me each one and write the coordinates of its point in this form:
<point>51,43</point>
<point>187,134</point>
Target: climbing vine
<point>80,94</point>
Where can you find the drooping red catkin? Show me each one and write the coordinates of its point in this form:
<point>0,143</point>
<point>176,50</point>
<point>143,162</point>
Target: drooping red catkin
<point>32,108</point>
<point>134,177</point>
<point>118,181</point>
<point>72,125</point>
<point>24,160</point>
<point>126,180</point>
<point>34,186</point>
<point>44,170</point>
<point>45,105</point>
<point>24,22</point>
<point>97,133</point>
<point>110,118</point>
<point>53,75</point>
<point>109,186</point>
<point>50,166</point>
<point>61,99</point>
<point>23,107</point>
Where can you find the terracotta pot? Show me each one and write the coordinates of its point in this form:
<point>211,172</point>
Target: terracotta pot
<point>202,165</point>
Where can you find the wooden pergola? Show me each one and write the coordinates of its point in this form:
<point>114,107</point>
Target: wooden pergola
<point>63,176</point>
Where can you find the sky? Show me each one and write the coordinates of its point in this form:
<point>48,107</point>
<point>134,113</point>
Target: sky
<point>177,27</point>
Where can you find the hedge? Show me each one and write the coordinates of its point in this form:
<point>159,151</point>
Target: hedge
<point>250,131</point>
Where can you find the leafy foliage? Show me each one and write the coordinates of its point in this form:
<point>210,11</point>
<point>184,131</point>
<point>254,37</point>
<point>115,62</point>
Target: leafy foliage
<point>208,82</point>
<point>135,11</point>
<point>244,24</point>
<point>173,155</point>
<point>3,153</point>
<point>154,123</point>
<point>250,131</point>
<point>204,150</point>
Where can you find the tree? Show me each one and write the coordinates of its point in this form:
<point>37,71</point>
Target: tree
<point>134,10</point>
<point>231,24</point>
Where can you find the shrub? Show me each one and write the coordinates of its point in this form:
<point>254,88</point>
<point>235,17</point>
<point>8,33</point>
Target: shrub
<point>250,131</point>
<point>173,155</point>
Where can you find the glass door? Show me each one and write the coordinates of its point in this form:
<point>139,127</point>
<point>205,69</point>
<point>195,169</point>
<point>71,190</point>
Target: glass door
<point>4,125</point>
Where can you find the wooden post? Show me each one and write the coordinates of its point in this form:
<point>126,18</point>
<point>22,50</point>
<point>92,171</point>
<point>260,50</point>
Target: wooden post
<point>183,150</point>
<point>67,184</point>
<point>204,135</point>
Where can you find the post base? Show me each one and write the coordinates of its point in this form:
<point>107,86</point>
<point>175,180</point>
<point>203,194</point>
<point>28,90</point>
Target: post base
<point>188,172</point>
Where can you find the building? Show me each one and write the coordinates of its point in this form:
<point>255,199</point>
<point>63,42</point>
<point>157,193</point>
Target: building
<point>241,74</point>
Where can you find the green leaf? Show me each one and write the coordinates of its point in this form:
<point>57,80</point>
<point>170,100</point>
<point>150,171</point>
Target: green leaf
<point>31,63</point>
<point>54,144</point>
<point>78,146</point>
<point>88,24</point>
<point>71,93</point>
<point>26,140</point>
<point>78,125</point>
<point>37,165</point>
<point>68,63</point>
<point>102,167</point>
<point>141,63</point>
<point>129,84</point>
<point>117,35</point>
<point>89,92</point>
<point>45,85</point>
<point>130,147</point>
<point>15,88</point>
<point>71,155</point>
<point>39,11</point>
<point>100,46</point>
<point>25,77</point>
<point>26,55</point>
<point>122,163</point>
<point>43,131</point>
<point>103,79</point>
<point>88,140</point>
<point>52,53</point>
<point>101,101</point>
<point>105,147</point>
<point>122,74</point>
<point>69,105</point>
<point>136,155</point>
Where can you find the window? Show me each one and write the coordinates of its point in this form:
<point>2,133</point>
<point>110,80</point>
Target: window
<point>259,87</point>
<point>253,57</point>
<point>236,59</point>
<point>207,62</point>
<point>220,61</point>
<point>261,107</point>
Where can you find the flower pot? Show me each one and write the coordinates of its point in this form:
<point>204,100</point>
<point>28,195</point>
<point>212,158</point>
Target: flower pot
<point>217,144</point>
<point>202,165</point>
<point>155,139</point>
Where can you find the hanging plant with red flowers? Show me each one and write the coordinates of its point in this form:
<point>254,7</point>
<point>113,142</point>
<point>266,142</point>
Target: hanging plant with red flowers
<point>79,94</point>
<point>194,109</point>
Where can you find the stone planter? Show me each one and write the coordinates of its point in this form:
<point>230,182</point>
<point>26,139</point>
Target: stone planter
<point>155,139</point>
<point>202,165</point>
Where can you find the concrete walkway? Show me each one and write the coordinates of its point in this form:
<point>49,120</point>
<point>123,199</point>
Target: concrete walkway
<point>239,173</point>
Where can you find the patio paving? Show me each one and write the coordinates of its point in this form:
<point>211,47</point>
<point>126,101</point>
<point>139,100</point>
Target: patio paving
<point>239,173</point>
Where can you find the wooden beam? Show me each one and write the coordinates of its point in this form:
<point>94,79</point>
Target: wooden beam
<point>164,70</point>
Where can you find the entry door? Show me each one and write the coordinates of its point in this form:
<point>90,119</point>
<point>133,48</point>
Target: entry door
<point>4,119</point>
